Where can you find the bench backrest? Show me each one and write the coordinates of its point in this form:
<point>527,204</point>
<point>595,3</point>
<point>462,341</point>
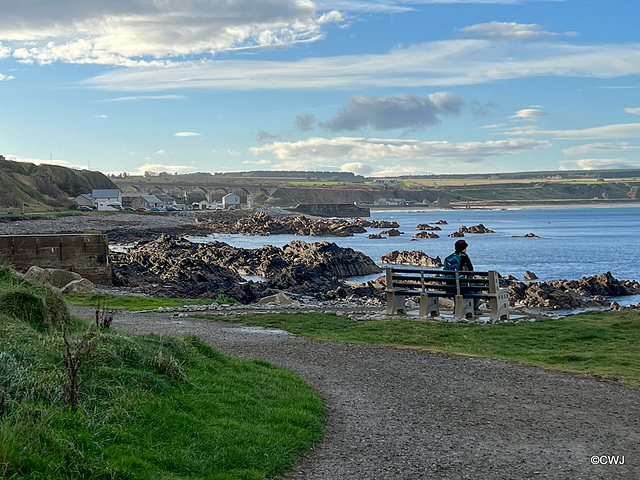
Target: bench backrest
<point>454,282</point>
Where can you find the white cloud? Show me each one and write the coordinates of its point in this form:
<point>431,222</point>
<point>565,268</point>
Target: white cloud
<point>143,31</point>
<point>6,78</point>
<point>161,152</point>
<point>358,168</point>
<point>598,164</point>
<point>372,149</point>
<point>399,111</point>
<point>507,30</point>
<point>529,114</point>
<point>186,134</point>
<point>624,130</point>
<point>100,116</point>
<point>433,64</point>
<point>634,111</point>
<point>257,162</point>
<point>600,147</point>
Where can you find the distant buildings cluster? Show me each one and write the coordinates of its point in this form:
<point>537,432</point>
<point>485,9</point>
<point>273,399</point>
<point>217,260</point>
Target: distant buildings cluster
<point>112,199</point>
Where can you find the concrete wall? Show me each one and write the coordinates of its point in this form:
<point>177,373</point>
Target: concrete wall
<point>86,254</point>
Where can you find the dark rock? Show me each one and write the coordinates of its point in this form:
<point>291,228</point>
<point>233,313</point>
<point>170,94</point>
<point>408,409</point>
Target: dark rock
<point>426,226</point>
<point>263,224</point>
<point>571,294</point>
<point>394,232</point>
<point>179,268</point>
<point>528,235</point>
<point>415,257</point>
<point>480,228</point>
<point>529,276</point>
<point>426,235</point>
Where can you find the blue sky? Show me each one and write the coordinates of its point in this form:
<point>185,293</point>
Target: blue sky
<point>376,87</point>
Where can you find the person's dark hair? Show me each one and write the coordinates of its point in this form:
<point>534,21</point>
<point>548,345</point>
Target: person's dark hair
<point>460,245</point>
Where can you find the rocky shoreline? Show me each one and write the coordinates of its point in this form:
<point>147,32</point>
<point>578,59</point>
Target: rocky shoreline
<point>163,263</point>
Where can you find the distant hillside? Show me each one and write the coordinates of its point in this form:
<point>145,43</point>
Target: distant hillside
<point>43,186</point>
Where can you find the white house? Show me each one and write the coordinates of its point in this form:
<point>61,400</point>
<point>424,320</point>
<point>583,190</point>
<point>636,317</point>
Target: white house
<point>230,200</point>
<point>107,199</point>
<point>386,183</point>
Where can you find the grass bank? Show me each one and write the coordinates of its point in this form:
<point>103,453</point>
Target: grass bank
<point>79,402</point>
<point>136,304</point>
<point>605,344</point>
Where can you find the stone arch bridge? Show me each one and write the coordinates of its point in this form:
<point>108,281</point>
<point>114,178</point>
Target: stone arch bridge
<point>197,192</point>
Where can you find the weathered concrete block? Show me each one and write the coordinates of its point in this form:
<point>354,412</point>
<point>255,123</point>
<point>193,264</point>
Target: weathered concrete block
<point>86,254</point>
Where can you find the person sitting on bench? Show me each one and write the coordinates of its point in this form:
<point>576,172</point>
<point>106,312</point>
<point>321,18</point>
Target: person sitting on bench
<point>459,260</point>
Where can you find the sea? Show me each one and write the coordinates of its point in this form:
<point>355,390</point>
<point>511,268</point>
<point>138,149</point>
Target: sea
<point>575,242</point>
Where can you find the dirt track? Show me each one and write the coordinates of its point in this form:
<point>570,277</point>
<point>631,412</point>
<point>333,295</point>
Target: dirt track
<point>408,414</point>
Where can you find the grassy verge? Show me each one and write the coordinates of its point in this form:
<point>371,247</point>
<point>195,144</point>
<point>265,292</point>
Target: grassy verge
<point>145,406</point>
<point>133,304</point>
<point>605,344</point>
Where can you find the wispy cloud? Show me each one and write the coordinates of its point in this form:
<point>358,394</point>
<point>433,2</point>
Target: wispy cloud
<point>144,97</point>
<point>529,114</point>
<point>371,149</point>
<point>304,123</point>
<point>623,130</point>
<point>510,31</point>
<point>600,147</point>
<point>598,164</point>
<point>634,111</point>
<point>434,64</point>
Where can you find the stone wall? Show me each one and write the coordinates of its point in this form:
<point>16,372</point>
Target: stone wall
<point>86,254</point>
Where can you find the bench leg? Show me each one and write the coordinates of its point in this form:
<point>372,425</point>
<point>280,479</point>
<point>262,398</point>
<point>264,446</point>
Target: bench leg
<point>395,303</point>
<point>463,308</point>
<point>429,305</point>
<point>499,308</point>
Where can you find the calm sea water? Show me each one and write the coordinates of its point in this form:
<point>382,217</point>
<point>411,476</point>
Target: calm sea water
<point>576,243</point>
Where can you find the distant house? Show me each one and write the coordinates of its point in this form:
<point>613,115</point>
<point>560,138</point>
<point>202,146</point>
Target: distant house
<point>85,199</point>
<point>386,183</point>
<point>230,200</point>
<point>167,200</point>
<point>107,199</point>
<point>146,201</point>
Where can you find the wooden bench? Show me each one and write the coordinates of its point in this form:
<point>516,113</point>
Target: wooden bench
<point>431,284</point>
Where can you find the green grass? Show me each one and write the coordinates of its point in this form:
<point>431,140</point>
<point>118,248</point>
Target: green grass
<point>605,344</point>
<point>134,304</point>
<point>150,407</point>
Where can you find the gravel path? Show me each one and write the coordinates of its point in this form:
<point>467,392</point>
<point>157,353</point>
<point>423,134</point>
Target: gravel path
<point>409,414</point>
